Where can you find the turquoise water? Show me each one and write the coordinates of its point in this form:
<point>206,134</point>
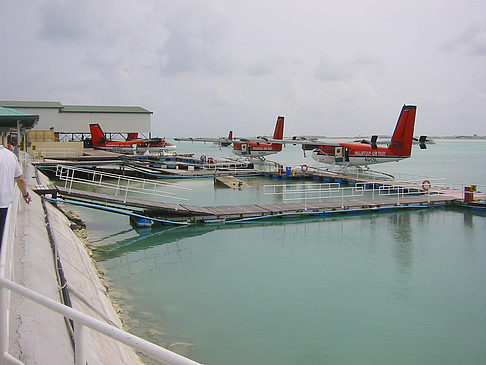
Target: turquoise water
<point>397,287</point>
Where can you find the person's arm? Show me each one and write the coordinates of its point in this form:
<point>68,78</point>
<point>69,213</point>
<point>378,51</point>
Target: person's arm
<point>23,188</point>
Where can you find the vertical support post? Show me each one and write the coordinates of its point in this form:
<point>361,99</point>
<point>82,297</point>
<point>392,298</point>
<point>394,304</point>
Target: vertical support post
<point>3,321</point>
<point>342,198</point>
<point>126,191</point>
<point>79,352</point>
<point>18,135</point>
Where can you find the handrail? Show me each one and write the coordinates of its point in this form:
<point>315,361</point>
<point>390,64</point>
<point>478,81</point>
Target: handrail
<point>6,271</point>
<point>121,184</point>
<point>305,192</point>
<point>80,320</point>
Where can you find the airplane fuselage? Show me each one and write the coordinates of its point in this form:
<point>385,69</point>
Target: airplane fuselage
<point>353,154</point>
<point>252,149</point>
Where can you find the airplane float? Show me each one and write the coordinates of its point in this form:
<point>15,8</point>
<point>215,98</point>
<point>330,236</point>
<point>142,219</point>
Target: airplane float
<point>244,146</point>
<point>133,143</point>
<point>363,153</point>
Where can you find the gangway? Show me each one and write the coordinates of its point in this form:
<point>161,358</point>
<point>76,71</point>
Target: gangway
<point>122,185</point>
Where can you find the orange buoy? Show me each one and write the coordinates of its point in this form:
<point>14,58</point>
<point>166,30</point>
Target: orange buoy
<point>426,185</point>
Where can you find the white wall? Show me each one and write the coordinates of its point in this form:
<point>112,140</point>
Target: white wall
<point>79,122</point>
<point>109,122</point>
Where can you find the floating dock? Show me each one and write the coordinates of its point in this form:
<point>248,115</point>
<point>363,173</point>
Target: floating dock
<point>178,213</point>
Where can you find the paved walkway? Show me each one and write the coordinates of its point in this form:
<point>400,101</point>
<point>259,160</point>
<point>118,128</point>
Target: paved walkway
<point>38,335</point>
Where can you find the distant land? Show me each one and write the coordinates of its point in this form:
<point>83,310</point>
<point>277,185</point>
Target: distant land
<point>458,137</point>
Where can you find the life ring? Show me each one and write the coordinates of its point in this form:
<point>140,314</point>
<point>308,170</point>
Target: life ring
<point>426,185</point>
<point>203,158</point>
<point>304,168</point>
<point>210,160</point>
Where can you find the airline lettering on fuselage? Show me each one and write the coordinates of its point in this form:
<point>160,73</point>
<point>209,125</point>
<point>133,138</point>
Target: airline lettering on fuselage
<point>370,153</point>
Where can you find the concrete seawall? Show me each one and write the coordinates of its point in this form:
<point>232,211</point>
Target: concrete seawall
<point>41,336</point>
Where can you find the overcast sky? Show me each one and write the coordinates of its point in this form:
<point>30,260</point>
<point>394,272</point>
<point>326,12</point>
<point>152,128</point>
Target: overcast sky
<point>206,66</point>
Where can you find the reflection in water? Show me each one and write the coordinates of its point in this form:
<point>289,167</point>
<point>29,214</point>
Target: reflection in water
<point>468,219</point>
<point>402,253</point>
<point>321,278</point>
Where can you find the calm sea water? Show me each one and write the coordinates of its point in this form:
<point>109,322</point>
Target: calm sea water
<point>398,287</point>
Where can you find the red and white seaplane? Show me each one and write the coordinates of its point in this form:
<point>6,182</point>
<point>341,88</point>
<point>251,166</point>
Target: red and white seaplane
<point>132,144</point>
<point>246,147</point>
<point>364,153</point>
<point>261,147</point>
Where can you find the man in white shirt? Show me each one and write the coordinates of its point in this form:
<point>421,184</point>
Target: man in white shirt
<point>10,173</point>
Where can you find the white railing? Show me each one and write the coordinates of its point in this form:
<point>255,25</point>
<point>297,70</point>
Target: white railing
<point>81,320</point>
<point>122,185</point>
<point>6,272</point>
<point>318,192</point>
<point>299,189</point>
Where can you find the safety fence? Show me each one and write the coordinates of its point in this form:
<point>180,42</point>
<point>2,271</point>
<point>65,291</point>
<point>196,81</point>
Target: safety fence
<point>334,191</point>
<point>122,185</point>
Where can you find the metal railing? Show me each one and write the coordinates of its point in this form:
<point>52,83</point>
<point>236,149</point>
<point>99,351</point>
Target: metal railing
<point>122,185</point>
<point>81,320</point>
<point>6,273</point>
<point>318,192</point>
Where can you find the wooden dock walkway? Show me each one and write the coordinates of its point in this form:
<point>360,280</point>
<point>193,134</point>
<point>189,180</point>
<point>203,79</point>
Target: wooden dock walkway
<point>195,214</point>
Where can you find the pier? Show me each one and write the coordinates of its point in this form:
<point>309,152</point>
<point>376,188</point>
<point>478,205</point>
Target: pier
<point>328,193</point>
<point>178,213</point>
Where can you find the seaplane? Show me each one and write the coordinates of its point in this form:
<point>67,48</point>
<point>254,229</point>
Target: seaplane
<point>132,144</point>
<point>363,153</point>
<point>245,147</point>
<point>261,147</point>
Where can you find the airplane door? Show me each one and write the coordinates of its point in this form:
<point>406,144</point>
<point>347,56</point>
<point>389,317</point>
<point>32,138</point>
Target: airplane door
<point>244,149</point>
<point>346,154</point>
<point>338,155</point>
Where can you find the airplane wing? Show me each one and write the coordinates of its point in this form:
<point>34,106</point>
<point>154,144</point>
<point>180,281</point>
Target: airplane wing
<point>422,141</point>
<point>204,139</point>
<point>294,140</point>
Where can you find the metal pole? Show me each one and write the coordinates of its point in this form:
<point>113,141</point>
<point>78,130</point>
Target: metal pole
<point>79,351</point>
<point>138,343</point>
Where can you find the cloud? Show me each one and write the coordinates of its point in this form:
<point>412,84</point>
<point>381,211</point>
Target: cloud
<point>197,40</point>
<point>331,69</point>
<point>326,67</point>
<point>472,40</point>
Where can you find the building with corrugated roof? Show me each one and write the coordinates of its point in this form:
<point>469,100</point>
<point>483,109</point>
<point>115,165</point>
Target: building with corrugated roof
<point>72,121</point>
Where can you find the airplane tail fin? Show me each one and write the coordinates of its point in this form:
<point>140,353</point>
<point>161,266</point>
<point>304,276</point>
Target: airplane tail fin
<point>401,142</point>
<point>132,136</point>
<point>97,135</point>
<point>279,127</point>
<point>278,133</point>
